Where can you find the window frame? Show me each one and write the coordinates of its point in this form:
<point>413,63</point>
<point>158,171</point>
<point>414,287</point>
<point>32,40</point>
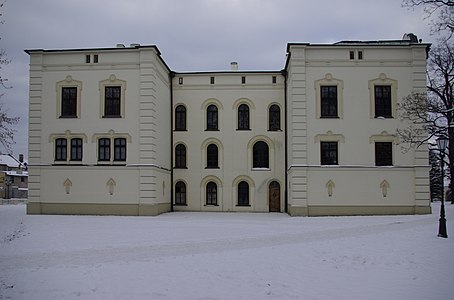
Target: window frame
<point>76,149</point>
<point>114,150</point>
<point>327,149</point>
<point>273,116</point>
<point>383,80</point>
<point>104,152</point>
<point>180,118</point>
<point>61,151</point>
<point>180,156</point>
<point>68,82</point>
<point>329,81</point>
<point>212,152</point>
<point>243,195</point>
<point>383,101</point>
<point>180,194</point>
<point>383,153</point>
<point>120,149</point>
<point>211,192</point>
<point>260,157</point>
<point>212,118</point>
<point>112,82</point>
<point>329,104</point>
<point>243,114</point>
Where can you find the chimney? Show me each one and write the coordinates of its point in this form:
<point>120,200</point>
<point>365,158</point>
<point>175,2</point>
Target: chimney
<point>21,158</point>
<point>233,66</point>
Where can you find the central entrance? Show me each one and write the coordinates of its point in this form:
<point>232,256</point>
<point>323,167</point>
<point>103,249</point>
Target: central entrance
<point>274,196</point>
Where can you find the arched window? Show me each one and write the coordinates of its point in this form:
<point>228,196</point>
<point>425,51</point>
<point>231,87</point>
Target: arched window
<point>180,156</point>
<point>260,154</point>
<point>60,149</point>
<point>180,118</point>
<point>243,193</point>
<point>76,149</point>
<point>274,118</point>
<point>243,117</point>
<point>212,117</point>
<point>212,156</point>
<point>104,149</point>
<point>180,193</point>
<point>211,193</point>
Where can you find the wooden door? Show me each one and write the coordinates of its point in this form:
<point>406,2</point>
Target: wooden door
<point>274,195</point>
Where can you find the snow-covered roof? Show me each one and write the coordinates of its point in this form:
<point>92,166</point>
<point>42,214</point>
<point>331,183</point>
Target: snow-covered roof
<point>9,160</point>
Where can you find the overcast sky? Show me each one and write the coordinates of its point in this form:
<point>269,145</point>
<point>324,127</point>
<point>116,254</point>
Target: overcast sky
<point>192,35</point>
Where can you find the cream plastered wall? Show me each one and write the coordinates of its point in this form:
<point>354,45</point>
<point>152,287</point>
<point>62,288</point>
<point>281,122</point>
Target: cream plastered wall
<point>235,146</point>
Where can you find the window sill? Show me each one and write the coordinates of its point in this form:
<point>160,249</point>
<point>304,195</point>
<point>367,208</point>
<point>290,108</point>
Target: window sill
<point>383,117</point>
<point>112,117</point>
<point>212,167</point>
<point>180,130</point>
<point>245,129</point>
<point>181,168</point>
<point>211,129</point>
<point>275,130</point>
<point>180,204</point>
<point>68,117</point>
<point>261,169</point>
<point>329,117</point>
<point>243,205</point>
<point>213,205</point>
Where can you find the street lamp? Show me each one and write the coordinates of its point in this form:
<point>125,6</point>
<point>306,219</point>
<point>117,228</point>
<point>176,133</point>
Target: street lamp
<point>442,142</point>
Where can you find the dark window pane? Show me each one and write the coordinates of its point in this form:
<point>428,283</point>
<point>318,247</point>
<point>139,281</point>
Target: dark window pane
<point>120,149</point>
<point>329,153</point>
<point>112,105</point>
<point>328,97</point>
<point>383,101</point>
<point>180,156</point>
<point>243,117</point>
<point>212,117</point>
<point>212,156</point>
<point>180,118</point>
<point>211,193</point>
<point>76,149</point>
<point>260,154</point>
<point>274,118</point>
<point>104,149</point>
<point>180,193</point>
<point>383,154</point>
<point>69,102</point>
<point>243,193</point>
<point>60,149</point>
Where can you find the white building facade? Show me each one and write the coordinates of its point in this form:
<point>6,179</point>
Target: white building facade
<point>116,131</point>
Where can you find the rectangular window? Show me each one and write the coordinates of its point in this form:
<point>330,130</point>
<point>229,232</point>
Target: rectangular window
<point>180,80</point>
<point>383,153</point>
<point>383,107</point>
<point>69,102</point>
<point>352,54</point>
<point>243,79</point>
<point>274,79</point>
<point>120,149</point>
<point>211,80</point>
<point>112,104</point>
<point>329,153</point>
<point>360,54</point>
<point>328,96</point>
<point>87,58</point>
<point>76,149</point>
<point>104,149</point>
<point>95,58</point>
<point>60,149</point>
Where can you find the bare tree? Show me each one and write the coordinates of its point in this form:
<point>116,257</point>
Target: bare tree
<point>441,13</point>
<point>6,131</point>
<point>431,114</point>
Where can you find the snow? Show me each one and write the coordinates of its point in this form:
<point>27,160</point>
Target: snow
<point>224,256</point>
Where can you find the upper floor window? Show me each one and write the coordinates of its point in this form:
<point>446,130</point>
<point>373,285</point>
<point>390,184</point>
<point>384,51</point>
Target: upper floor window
<point>180,193</point>
<point>211,193</point>
<point>61,149</point>
<point>104,149</point>
<point>180,156</point>
<point>243,117</point>
<point>383,104</point>
<point>69,102</point>
<point>383,153</point>
<point>180,118</point>
<point>76,149</point>
<point>328,98</point>
<point>120,149</point>
<point>112,104</point>
<point>274,118</point>
<point>329,153</point>
<point>260,153</point>
<point>212,117</point>
<point>212,156</point>
<point>243,193</point>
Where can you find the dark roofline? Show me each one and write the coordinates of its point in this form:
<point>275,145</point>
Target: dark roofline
<point>388,43</point>
<point>227,72</point>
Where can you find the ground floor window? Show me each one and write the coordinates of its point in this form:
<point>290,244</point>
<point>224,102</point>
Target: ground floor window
<point>243,194</point>
<point>180,193</point>
<point>211,193</point>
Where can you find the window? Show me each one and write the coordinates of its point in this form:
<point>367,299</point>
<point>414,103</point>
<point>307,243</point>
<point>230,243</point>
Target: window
<point>243,194</point>
<point>120,149</point>
<point>112,104</point>
<point>360,54</point>
<point>212,156</point>
<point>211,80</point>
<point>180,156</point>
<point>243,117</point>
<point>68,102</point>
<point>87,58</point>
<point>180,193</point>
<point>328,98</point>
<point>274,118</point>
<point>352,54</point>
<point>260,153</point>
<point>243,79</point>
<point>383,154</point>
<point>95,58</point>
<point>76,149</point>
<point>212,117</point>
<point>274,79</point>
<point>104,149</point>
<point>211,193</point>
<point>180,80</point>
<point>180,118</point>
<point>60,149</point>
<point>328,153</point>
<point>383,104</point>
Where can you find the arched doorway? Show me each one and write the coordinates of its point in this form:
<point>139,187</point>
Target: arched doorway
<point>274,196</point>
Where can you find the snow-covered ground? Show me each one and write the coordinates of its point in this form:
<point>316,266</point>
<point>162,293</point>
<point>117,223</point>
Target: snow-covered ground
<point>224,256</point>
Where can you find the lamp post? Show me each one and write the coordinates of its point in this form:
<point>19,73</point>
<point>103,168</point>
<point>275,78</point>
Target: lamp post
<point>442,142</point>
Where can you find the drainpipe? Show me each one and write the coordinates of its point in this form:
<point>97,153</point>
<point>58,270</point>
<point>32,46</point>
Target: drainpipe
<point>284,73</point>
<point>171,76</point>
